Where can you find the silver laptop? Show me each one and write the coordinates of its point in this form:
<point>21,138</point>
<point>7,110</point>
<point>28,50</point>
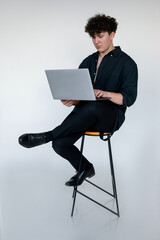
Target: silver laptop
<point>71,84</point>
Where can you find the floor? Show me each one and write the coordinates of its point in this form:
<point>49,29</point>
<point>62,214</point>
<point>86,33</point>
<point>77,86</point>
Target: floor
<point>36,205</point>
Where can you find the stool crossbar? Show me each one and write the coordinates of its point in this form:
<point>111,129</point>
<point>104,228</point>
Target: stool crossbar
<point>114,194</point>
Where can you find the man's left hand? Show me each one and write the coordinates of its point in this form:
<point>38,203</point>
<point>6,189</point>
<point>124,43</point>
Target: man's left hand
<point>99,93</point>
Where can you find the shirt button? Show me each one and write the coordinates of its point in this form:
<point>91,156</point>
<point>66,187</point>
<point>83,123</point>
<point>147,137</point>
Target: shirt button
<point>111,55</point>
<point>94,73</point>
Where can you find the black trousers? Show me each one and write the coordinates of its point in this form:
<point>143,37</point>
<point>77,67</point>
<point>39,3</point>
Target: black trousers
<point>91,115</point>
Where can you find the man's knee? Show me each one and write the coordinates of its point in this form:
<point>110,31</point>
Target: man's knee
<point>59,145</point>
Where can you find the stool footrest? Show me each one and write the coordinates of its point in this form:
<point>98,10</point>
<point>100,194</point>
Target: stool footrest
<point>112,195</point>
<point>97,203</point>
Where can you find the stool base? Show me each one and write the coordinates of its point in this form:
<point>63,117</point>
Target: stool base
<point>114,195</point>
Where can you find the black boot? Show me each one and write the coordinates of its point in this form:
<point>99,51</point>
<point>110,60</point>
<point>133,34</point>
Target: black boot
<point>80,177</point>
<point>30,140</point>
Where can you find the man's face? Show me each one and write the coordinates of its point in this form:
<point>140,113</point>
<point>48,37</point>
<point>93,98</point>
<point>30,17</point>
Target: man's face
<point>103,41</point>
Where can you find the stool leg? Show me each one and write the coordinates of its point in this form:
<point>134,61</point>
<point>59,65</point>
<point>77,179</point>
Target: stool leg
<point>75,187</point>
<point>113,175</point>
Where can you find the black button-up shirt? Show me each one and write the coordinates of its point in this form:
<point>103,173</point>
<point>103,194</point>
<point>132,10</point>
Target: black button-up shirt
<point>117,73</point>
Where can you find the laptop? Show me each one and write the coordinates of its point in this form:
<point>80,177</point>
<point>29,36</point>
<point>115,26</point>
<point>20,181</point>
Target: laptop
<point>71,84</point>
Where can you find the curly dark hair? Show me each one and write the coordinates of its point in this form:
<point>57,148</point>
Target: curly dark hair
<point>100,23</point>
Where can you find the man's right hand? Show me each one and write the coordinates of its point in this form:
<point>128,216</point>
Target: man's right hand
<point>69,103</point>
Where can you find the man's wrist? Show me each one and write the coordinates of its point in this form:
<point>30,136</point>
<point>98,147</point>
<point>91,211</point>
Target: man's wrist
<point>76,102</point>
<point>108,95</point>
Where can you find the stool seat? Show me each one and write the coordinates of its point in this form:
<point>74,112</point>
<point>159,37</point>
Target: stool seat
<point>96,133</point>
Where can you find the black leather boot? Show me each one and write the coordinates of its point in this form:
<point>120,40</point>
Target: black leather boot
<point>79,178</point>
<point>30,140</point>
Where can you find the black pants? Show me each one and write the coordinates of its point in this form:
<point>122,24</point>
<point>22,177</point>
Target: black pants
<point>93,116</point>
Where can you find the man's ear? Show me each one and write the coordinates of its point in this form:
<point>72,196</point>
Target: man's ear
<point>112,35</point>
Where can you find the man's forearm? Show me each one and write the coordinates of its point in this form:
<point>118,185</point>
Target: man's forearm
<point>116,98</point>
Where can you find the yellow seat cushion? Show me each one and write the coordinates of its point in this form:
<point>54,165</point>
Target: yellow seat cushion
<point>95,133</point>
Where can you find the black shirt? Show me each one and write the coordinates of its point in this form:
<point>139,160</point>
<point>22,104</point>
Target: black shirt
<point>117,73</point>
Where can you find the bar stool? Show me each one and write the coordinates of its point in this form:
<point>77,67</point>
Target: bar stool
<point>114,194</point>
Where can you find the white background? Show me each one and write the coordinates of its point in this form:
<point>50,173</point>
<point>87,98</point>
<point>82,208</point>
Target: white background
<point>34,203</point>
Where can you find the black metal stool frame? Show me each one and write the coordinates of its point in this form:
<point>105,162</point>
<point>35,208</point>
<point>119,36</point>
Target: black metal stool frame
<point>114,194</point>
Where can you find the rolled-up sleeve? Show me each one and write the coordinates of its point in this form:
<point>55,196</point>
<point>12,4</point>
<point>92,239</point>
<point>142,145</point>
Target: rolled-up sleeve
<point>129,83</point>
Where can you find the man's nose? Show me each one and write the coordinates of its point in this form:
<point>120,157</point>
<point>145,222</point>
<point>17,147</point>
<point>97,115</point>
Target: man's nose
<point>96,40</point>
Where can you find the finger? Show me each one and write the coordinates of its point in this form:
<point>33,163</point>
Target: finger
<point>69,103</point>
<point>65,102</point>
<point>99,94</point>
<point>96,93</point>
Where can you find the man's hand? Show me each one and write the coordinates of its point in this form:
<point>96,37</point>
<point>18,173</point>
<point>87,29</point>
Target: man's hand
<point>69,103</point>
<point>116,98</point>
<point>99,93</point>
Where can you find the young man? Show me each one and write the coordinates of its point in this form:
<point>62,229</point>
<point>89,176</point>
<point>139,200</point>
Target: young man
<point>114,75</point>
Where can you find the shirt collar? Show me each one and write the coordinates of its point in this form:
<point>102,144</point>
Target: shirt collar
<point>114,52</point>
